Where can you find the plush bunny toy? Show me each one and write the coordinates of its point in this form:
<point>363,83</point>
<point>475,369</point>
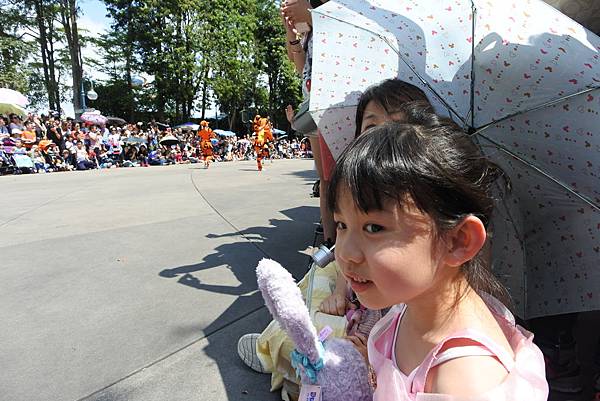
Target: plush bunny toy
<point>333,364</point>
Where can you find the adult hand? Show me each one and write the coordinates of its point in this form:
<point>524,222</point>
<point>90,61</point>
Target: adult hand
<point>360,343</point>
<point>297,11</point>
<point>290,31</point>
<point>335,304</point>
<point>289,113</point>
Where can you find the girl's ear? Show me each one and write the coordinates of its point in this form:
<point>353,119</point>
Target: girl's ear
<point>464,241</point>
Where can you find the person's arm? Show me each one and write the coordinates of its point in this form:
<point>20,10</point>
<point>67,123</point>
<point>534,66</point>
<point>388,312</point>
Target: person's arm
<point>293,45</point>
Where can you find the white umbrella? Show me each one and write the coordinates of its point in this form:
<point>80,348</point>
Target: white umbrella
<point>9,108</point>
<point>221,132</point>
<point>93,117</point>
<point>524,80</point>
<point>12,101</point>
<point>13,97</point>
<point>188,127</point>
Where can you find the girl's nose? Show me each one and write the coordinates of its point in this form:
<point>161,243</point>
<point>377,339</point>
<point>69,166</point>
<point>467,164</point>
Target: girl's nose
<point>348,250</point>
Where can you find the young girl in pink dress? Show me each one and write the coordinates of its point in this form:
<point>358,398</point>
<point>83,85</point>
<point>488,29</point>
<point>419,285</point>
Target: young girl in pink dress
<point>411,205</point>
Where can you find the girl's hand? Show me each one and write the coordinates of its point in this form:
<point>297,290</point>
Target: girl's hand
<point>360,343</point>
<point>335,304</point>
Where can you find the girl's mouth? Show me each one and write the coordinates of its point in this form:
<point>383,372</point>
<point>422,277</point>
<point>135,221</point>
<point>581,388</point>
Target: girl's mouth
<point>357,283</point>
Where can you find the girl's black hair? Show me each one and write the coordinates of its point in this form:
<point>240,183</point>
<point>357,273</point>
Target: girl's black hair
<point>391,94</point>
<point>431,163</point>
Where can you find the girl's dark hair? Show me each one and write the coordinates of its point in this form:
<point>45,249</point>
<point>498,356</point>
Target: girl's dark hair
<point>431,163</point>
<point>391,94</point>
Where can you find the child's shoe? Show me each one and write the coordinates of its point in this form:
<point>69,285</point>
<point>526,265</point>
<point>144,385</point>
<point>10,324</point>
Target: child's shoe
<point>246,349</point>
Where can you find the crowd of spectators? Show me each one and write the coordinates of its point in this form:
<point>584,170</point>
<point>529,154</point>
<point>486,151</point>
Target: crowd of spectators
<point>40,144</point>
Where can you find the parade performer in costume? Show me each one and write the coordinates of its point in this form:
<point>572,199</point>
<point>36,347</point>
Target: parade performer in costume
<point>263,135</point>
<point>206,134</point>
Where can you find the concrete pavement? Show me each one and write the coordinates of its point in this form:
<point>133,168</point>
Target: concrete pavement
<point>135,284</point>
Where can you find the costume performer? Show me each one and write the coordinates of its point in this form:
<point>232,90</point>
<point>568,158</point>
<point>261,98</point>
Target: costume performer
<point>263,135</point>
<point>206,134</point>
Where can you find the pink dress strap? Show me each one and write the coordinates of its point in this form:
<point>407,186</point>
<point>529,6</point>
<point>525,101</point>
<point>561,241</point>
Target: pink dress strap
<point>460,352</point>
<point>485,347</point>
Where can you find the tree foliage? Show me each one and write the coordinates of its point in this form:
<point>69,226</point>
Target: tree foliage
<point>194,54</point>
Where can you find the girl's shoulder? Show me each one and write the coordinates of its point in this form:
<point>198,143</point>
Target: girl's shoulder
<point>478,360</point>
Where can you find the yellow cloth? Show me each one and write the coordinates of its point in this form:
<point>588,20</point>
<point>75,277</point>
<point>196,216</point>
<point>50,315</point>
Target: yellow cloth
<point>274,346</point>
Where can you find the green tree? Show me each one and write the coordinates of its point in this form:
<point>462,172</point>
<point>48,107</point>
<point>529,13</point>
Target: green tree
<point>14,49</point>
<point>284,87</point>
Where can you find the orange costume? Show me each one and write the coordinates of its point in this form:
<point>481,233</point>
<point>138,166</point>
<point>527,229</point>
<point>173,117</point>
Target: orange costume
<point>206,134</point>
<point>263,135</point>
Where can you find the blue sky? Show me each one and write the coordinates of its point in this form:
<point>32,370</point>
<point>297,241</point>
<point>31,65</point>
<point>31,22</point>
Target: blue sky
<point>95,11</point>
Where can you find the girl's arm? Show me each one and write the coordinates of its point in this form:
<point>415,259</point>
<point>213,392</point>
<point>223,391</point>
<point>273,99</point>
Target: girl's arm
<point>466,376</point>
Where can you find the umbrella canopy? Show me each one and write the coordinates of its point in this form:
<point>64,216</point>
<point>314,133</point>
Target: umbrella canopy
<point>524,79</point>
<point>221,132</point>
<point>13,97</point>
<point>169,140</point>
<point>93,117</point>
<point>115,121</point>
<point>132,140</point>
<point>278,132</point>
<point>11,108</point>
<point>188,127</point>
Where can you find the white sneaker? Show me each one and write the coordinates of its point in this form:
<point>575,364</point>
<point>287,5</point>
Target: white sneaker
<point>246,349</point>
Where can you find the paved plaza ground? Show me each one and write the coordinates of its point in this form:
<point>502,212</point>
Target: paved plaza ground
<point>135,284</point>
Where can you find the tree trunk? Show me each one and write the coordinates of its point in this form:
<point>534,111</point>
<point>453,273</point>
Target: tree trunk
<point>232,114</point>
<point>204,92</point>
<point>69,22</point>
<point>54,83</point>
<point>43,42</point>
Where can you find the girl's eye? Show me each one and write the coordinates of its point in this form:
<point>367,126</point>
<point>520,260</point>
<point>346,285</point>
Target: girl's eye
<point>339,225</point>
<point>368,127</point>
<point>373,228</point>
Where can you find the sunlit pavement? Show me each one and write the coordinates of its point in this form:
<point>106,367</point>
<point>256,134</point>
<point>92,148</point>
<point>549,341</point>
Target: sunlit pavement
<point>135,284</point>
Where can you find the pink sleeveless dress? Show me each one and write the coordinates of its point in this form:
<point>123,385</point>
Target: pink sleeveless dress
<point>526,375</point>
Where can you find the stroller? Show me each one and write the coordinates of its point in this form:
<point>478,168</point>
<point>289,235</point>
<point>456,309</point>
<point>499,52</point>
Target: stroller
<point>7,166</point>
<point>23,163</point>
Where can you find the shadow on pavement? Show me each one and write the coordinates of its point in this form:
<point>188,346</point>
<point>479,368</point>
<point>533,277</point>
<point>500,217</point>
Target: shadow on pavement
<point>280,239</point>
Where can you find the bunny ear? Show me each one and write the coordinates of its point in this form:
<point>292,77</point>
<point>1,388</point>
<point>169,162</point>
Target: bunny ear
<point>284,300</point>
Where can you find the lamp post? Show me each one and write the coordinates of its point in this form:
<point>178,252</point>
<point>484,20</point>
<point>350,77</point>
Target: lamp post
<point>91,94</point>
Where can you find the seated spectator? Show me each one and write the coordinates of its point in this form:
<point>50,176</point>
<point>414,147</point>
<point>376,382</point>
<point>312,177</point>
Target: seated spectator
<point>28,135</point>
<point>83,159</point>
<point>103,157</point>
<point>16,125</point>
<point>67,161</point>
<point>38,160</point>
<point>4,133</point>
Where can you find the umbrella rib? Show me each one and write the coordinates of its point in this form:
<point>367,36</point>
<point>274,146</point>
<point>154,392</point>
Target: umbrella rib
<point>472,100</point>
<point>535,108</point>
<point>540,171</point>
<point>423,81</point>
